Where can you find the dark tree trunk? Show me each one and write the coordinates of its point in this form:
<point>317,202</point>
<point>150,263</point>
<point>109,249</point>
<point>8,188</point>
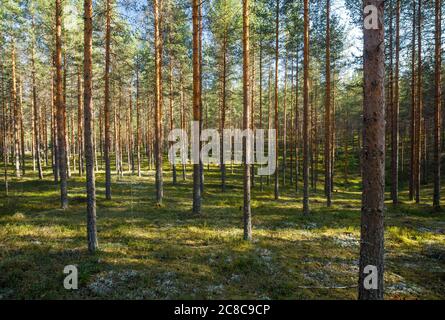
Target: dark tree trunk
<point>437,104</point>
<point>395,118</point>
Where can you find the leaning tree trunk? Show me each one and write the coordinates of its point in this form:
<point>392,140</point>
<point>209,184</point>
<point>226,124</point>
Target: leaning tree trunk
<point>373,153</point>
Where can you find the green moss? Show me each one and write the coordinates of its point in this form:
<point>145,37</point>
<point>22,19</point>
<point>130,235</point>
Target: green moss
<point>151,252</point>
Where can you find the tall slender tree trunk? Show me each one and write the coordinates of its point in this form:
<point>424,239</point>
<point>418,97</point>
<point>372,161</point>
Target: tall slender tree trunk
<point>306,111</point>
<point>413,107</point>
<point>297,128</point>
<point>437,103</point>
<point>60,111</point>
<point>223,109</point>
<point>15,106</point>
<point>327,146</point>
<point>277,27</point>
<point>261,102</point>
<point>373,171</point>
<point>36,108</point>
<point>54,140</point>
<point>88,126</point>
<point>80,144</point>
<point>5,130</point>
<point>196,102</point>
<point>138,125</point>
<point>107,111</point>
<point>395,117</point>
<point>22,131</point>
<point>182,119</point>
<point>246,119</point>
<point>171,110</point>
<point>285,121</point>
<point>419,112</point>
<point>157,5</point>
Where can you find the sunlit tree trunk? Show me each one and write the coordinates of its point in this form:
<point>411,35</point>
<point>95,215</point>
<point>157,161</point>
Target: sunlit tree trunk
<point>277,25</point>
<point>107,111</point>
<point>88,126</point>
<point>60,111</point>
<point>306,111</point>
<point>138,125</point>
<point>158,101</point>
<point>196,102</point>
<point>4,125</point>
<point>80,144</point>
<point>419,111</point>
<point>246,121</point>
<point>373,171</point>
<point>15,106</point>
<point>328,126</point>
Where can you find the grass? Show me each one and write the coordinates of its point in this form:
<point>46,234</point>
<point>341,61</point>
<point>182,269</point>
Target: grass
<point>150,252</point>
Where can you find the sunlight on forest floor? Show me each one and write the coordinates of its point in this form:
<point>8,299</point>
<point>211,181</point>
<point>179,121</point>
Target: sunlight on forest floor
<point>158,253</point>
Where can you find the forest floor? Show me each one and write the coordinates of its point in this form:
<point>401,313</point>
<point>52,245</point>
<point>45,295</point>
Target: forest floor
<point>150,252</point>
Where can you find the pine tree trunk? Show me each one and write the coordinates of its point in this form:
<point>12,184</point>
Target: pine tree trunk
<point>327,147</point>
<point>413,107</point>
<point>88,126</point>
<point>373,171</point>
<point>223,110</point>
<point>437,104</point>
<point>285,121</point>
<point>22,131</point>
<point>246,121</point>
<point>306,111</point>
<point>15,106</point>
<point>60,111</point>
<point>174,179</point>
<point>277,21</point>
<point>395,117</point>
<point>36,109</point>
<point>419,111</point>
<point>196,103</point>
<point>5,130</point>
<point>138,126</point>
<point>107,111</point>
<point>80,145</point>
<point>158,101</point>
